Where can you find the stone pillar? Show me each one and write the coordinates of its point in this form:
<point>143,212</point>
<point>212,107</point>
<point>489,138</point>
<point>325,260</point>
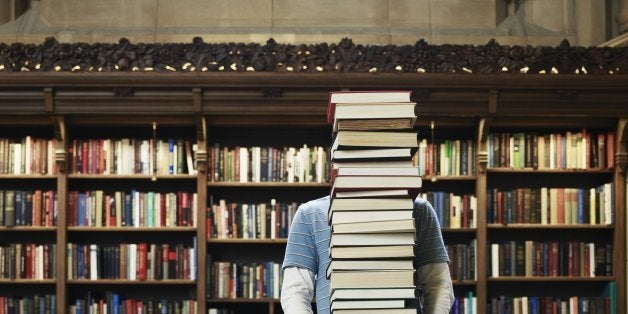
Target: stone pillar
<point>6,11</point>
<point>622,16</point>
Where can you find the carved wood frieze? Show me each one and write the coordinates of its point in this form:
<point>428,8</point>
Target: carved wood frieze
<point>343,57</point>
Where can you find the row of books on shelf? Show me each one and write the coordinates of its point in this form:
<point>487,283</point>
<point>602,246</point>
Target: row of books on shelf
<point>132,261</point>
<point>110,302</point>
<point>28,261</point>
<point>132,156</point>
<point>447,157</point>
<point>36,304</point>
<point>554,206</point>
<point>28,208</point>
<point>453,211</point>
<point>568,150</point>
<point>250,221</point>
<point>27,155</point>
<point>468,304</point>
<point>462,261</point>
<point>231,280</point>
<point>268,164</point>
<point>132,209</point>
<point>551,304</point>
<point>550,259</point>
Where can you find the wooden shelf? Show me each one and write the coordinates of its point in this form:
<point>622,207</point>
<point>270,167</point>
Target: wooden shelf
<point>132,177</point>
<point>132,229</point>
<point>458,230</point>
<point>28,176</point>
<point>243,300</point>
<point>523,226</point>
<point>27,229</point>
<point>548,171</point>
<point>269,184</point>
<point>436,179</point>
<point>464,282</point>
<point>179,282</point>
<point>248,241</point>
<point>231,106</point>
<point>28,281</point>
<point>550,279</point>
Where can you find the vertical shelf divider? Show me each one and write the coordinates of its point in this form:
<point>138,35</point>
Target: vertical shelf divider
<point>481,236</point>
<point>61,159</point>
<point>201,190</point>
<point>621,159</point>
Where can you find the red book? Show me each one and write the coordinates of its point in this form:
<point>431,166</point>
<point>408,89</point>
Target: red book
<point>587,265</point>
<point>561,205</point>
<point>172,264</point>
<point>142,261</point>
<point>50,204</point>
<point>610,150</point>
<point>208,222</point>
<point>28,267</point>
<point>355,97</point>
<point>37,208</point>
<point>46,260</point>
<point>520,205</point>
<point>85,157</point>
<point>162,209</point>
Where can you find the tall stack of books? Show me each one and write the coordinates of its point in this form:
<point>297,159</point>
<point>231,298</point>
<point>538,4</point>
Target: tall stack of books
<point>371,213</point>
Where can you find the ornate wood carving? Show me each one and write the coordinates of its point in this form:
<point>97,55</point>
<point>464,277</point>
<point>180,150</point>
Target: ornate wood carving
<point>61,155</point>
<point>482,153</point>
<point>345,56</point>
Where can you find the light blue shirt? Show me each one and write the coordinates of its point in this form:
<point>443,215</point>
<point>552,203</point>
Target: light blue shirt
<point>308,243</point>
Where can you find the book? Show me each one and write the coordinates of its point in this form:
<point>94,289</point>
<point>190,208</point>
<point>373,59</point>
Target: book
<point>377,311</point>
<point>367,304</point>
<point>373,239</point>
<point>374,116</point>
<point>374,293</point>
<point>356,183</point>
<point>371,204</point>
<point>374,124</point>
<point>378,171</point>
<point>378,227</point>
<point>351,265</point>
<point>365,139</point>
<point>376,279</point>
<point>354,216</point>
<point>356,97</point>
<point>383,154</point>
<point>382,251</point>
<point>373,193</point>
<point>374,164</point>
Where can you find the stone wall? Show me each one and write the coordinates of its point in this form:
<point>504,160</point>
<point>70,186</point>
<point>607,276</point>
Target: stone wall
<point>510,22</point>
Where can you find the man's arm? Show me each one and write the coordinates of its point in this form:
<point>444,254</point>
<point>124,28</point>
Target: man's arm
<point>438,293</point>
<point>297,290</point>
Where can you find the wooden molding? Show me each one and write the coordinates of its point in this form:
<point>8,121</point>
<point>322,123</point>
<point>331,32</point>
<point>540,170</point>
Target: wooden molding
<point>342,57</point>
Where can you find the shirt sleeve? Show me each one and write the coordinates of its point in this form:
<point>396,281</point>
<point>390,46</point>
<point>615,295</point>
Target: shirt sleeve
<point>301,248</point>
<point>430,247</point>
<point>297,290</point>
<point>435,281</point>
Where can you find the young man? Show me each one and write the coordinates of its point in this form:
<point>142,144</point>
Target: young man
<point>306,260</point>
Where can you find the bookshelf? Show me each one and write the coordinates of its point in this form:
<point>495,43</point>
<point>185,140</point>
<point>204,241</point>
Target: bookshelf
<point>277,109</point>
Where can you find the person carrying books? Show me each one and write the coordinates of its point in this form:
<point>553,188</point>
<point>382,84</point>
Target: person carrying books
<point>307,257</point>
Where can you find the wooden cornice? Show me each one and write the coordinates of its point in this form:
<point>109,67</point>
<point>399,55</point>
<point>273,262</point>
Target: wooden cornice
<point>343,57</point>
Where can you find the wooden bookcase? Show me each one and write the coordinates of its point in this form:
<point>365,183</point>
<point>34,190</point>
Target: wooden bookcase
<point>274,108</point>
